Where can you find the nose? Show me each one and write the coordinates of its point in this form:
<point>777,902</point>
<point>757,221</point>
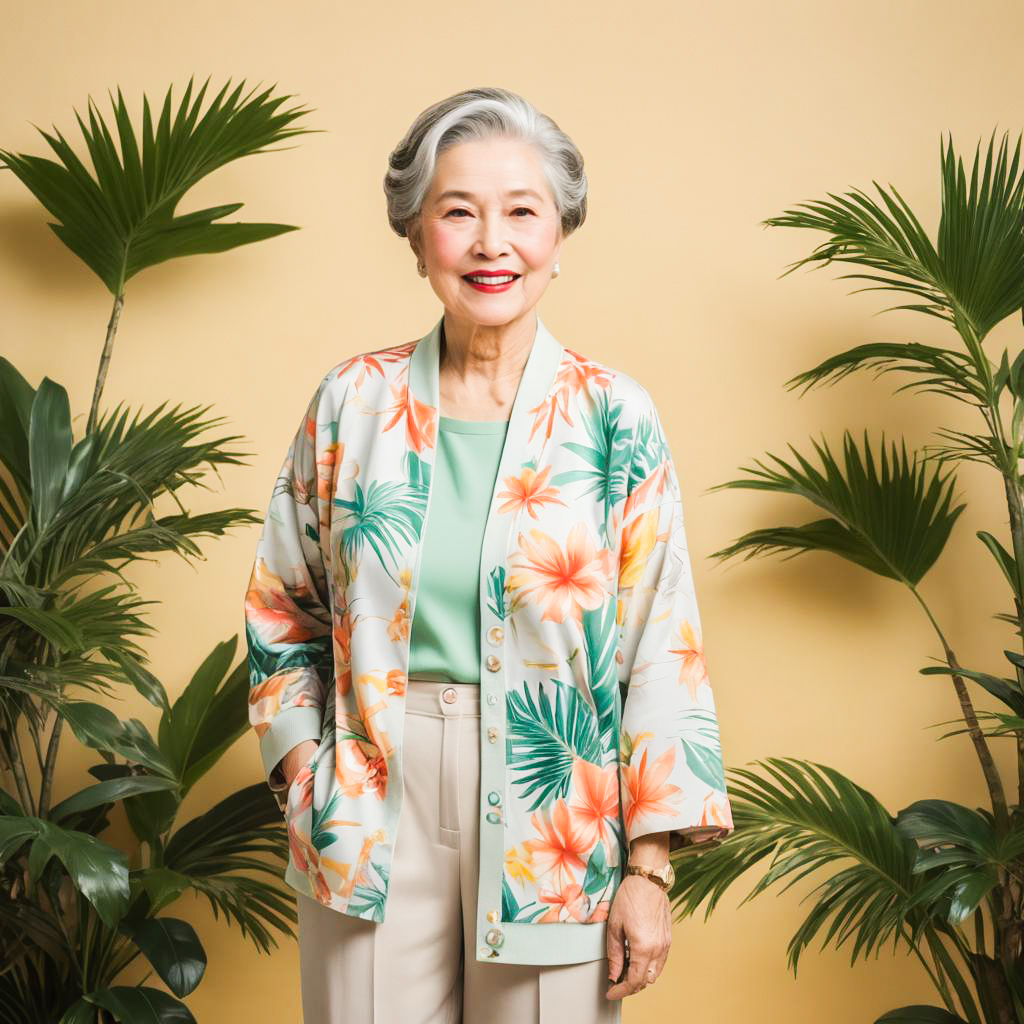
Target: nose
<point>491,243</point>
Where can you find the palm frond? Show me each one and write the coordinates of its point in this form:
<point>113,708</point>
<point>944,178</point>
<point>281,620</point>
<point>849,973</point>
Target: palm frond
<point>971,277</point>
<point>943,371</point>
<point>894,521</point>
<point>807,816</point>
<point>121,219</point>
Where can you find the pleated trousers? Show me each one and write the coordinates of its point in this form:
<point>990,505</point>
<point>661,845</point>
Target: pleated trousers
<point>418,966</point>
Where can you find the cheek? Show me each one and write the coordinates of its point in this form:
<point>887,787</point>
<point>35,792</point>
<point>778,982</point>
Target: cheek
<point>447,250</point>
<point>537,246</point>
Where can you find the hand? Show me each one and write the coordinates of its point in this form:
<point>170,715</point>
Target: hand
<point>296,758</point>
<point>640,913</point>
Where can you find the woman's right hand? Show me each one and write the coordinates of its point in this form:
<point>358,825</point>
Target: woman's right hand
<point>296,758</point>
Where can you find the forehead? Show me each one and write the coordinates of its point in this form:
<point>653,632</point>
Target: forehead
<point>482,168</point>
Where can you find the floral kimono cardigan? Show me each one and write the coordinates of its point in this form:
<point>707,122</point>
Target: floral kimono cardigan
<point>597,718</point>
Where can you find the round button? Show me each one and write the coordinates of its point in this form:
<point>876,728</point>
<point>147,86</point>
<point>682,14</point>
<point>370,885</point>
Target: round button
<point>492,916</point>
<point>492,699</point>
<point>492,734</point>
<point>495,635</point>
<point>493,663</point>
<point>449,696</point>
<point>484,951</point>
<point>493,798</point>
<point>494,937</point>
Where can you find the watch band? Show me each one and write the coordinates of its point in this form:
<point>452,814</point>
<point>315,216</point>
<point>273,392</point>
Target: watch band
<point>651,874</point>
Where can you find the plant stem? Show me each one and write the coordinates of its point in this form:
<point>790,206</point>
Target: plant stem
<point>101,373</point>
<point>988,767</point>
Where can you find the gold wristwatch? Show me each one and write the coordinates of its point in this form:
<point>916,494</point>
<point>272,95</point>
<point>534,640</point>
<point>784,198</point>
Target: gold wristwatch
<point>662,877</point>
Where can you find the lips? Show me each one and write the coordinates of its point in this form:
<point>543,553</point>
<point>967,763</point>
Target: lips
<point>486,276</point>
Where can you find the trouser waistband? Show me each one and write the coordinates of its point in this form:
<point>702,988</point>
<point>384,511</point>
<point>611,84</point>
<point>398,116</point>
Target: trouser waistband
<point>439,697</point>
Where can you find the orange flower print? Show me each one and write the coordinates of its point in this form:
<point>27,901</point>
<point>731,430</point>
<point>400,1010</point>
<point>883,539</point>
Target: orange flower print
<point>562,842</point>
<point>528,491</point>
<point>274,611</point>
<point>693,668</point>
<point>717,810</point>
<point>568,904</point>
<point>638,540</point>
<point>360,768</point>
<point>645,789</point>
<point>373,362</point>
<point>398,627</point>
<point>597,790</point>
<point>420,418</point>
<point>647,492</point>
<point>573,375</point>
<point>562,582</point>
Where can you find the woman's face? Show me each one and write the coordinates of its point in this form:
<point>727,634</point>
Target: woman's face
<point>489,208</point>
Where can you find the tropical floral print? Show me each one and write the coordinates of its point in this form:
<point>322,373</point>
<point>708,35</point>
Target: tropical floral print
<point>599,722</point>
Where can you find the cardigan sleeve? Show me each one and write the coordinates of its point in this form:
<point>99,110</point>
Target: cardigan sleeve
<point>671,769</point>
<point>287,608</point>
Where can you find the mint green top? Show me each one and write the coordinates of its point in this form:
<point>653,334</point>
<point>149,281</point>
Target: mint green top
<point>445,636</point>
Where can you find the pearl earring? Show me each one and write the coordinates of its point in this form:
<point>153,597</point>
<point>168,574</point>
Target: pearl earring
<point>554,272</point>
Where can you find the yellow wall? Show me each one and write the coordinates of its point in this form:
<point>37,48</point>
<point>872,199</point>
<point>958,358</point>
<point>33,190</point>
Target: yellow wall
<point>696,121</point>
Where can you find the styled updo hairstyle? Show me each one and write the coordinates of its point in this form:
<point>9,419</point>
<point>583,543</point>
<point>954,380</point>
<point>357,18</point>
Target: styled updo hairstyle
<point>480,114</point>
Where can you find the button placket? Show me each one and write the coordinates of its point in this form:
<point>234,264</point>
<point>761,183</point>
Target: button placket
<point>492,786</point>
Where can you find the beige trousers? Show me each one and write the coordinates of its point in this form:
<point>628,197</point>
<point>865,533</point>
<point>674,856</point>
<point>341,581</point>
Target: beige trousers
<point>414,967</point>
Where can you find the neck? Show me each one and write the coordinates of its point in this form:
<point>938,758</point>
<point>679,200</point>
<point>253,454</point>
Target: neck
<point>492,352</point>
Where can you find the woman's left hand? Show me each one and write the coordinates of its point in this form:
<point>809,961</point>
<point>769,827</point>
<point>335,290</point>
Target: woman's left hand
<point>640,912</point>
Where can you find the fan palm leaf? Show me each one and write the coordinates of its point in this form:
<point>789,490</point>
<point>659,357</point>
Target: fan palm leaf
<point>893,520</point>
<point>806,816</point>
<point>120,219</point>
<point>972,275</point>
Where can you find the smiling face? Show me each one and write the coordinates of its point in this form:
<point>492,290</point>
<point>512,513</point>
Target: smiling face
<point>489,208</point>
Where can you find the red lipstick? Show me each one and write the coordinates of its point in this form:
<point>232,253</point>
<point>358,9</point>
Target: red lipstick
<point>475,279</point>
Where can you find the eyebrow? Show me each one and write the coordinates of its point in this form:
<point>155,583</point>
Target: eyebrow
<point>456,194</point>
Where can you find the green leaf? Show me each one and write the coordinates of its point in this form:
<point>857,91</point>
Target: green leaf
<point>141,1005</point>
<point>121,218</point>
<point>972,276</point>
<point>893,520</point>
<point>49,441</point>
<point>100,872</point>
<point>173,948</point>
<point>800,817</point>
<point>919,1014</point>
<point>109,791</point>
<point>1006,690</point>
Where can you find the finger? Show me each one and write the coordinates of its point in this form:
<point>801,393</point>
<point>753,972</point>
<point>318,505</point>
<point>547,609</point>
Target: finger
<point>637,975</point>
<point>616,953</point>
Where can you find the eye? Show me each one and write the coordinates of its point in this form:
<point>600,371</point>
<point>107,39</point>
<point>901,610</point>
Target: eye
<point>456,210</point>
<point>525,208</point>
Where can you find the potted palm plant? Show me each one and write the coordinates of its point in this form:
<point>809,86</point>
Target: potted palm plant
<point>75,911</point>
<point>941,880</point>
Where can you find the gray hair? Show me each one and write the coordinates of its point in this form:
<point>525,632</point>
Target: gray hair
<point>479,114</point>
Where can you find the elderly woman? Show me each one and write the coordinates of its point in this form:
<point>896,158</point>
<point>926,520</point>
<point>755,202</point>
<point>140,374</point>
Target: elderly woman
<point>477,672</point>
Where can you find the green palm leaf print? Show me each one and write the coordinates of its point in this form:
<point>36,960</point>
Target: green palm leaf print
<point>600,640</point>
<point>543,739</point>
<point>388,511</point>
<point>607,456</point>
<point>703,747</point>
